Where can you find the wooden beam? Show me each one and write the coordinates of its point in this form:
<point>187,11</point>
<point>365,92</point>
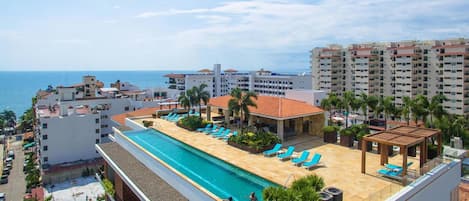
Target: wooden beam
<point>363,156</point>
<point>422,152</point>
<point>404,166</point>
<point>440,143</point>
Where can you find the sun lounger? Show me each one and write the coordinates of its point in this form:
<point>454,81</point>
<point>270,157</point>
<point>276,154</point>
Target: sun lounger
<point>174,118</point>
<point>225,138</point>
<point>287,155</point>
<point>217,132</point>
<point>203,129</point>
<point>214,128</point>
<point>391,173</point>
<point>301,159</point>
<point>168,116</point>
<point>313,162</point>
<point>392,166</point>
<point>273,151</point>
<point>224,133</point>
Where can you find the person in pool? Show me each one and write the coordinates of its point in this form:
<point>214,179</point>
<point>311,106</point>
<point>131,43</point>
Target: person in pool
<point>253,197</point>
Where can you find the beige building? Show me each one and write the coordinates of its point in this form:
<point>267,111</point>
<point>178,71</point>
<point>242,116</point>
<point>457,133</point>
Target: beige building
<point>397,69</point>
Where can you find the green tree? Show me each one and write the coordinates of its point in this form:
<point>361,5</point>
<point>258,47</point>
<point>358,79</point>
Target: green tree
<point>326,105</point>
<point>186,99</point>
<point>373,104</point>
<point>9,118</point>
<point>26,120</point>
<point>406,108</point>
<point>419,107</point>
<point>240,102</point>
<point>388,106</point>
<point>364,105</point>
<point>435,108</point>
<point>200,95</point>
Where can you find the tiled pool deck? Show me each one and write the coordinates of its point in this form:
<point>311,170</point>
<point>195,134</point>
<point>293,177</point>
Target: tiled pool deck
<point>341,166</point>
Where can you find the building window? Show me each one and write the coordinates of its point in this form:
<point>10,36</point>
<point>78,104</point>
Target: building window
<point>44,125</point>
<point>45,159</point>
<point>44,137</point>
<point>126,108</point>
<point>97,141</point>
<point>97,121</point>
<point>44,148</point>
<point>97,130</point>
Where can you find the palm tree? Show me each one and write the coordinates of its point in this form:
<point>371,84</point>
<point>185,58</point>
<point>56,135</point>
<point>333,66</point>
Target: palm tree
<point>355,105</point>
<point>388,107</point>
<point>334,100</point>
<point>200,95</point>
<point>347,101</point>
<point>364,105</point>
<point>240,102</point>
<point>419,108</point>
<point>186,99</point>
<point>406,108</point>
<point>373,104</point>
<point>397,112</point>
<point>326,105</point>
<point>435,108</point>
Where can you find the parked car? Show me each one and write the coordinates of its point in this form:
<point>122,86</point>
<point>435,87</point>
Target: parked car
<point>5,171</point>
<point>11,154</point>
<point>9,166</point>
<point>9,160</point>
<point>4,179</point>
<point>2,196</point>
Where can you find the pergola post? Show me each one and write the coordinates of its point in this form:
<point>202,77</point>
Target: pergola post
<point>209,113</point>
<point>440,143</point>
<point>422,153</point>
<point>363,155</point>
<point>280,129</point>
<point>404,166</point>
<point>384,154</point>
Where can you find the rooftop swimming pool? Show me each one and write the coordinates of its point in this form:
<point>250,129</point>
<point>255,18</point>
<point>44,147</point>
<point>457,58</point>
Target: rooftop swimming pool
<point>218,177</point>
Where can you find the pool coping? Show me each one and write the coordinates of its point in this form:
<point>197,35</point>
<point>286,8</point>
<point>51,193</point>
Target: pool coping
<point>202,189</point>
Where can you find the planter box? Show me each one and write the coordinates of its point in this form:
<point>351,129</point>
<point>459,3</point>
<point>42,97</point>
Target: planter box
<point>346,140</point>
<point>330,137</point>
<point>249,149</point>
<point>369,145</point>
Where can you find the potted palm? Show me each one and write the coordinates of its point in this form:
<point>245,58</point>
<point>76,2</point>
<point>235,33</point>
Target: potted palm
<point>360,136</point>
<point>346,137</point>
<point>330,134</point>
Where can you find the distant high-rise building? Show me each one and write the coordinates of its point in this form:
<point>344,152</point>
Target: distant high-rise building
<point>397,69</point>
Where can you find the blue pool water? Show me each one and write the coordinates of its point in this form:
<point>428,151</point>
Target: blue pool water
<point>215,175</point>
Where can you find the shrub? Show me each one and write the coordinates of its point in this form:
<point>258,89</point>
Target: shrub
<point>192,123</point>
<point>147,123</point>
<point>108,187</point>
<point>305,188</point>
<point>329,129</point>
<point>256,140</point>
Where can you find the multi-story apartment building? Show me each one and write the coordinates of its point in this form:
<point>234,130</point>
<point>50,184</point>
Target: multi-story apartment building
<point>71,120</point>
<point>221,83</point>
<point>397,69</point>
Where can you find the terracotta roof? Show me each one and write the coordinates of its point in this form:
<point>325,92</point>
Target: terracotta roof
<point>173,75</point>
<point>230,70</point>
<point>361,48</point>
<point>404,55</point>
<point>205,70</point>
<point>450,46</point>
<point>453,53</point>
<point>120,118</point>
<point>28,135</point>
<point>270,106</point>
<point>401,47</point>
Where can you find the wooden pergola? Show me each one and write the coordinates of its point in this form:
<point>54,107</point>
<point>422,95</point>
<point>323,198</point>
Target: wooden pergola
<point>404,137</point>
<point>426,133</point>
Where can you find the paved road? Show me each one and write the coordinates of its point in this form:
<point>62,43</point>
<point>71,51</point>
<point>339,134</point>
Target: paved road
<point>16,184</point>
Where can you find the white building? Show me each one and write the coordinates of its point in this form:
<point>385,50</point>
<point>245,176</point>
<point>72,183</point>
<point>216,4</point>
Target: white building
<point>221,83</point>
<point>71,120</point>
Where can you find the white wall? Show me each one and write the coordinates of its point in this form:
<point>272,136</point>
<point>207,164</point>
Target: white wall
<point>69,138</point>
<point>312,97</point>
<point>434,185</point>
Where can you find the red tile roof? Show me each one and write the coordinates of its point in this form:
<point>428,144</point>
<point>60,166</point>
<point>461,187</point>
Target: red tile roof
<point>173,75</point>
<point>275,107</point>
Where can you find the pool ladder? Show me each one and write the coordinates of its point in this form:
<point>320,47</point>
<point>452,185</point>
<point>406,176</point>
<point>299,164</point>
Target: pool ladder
<point>288,179</point>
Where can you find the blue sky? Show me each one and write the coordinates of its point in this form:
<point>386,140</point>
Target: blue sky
<point>187,35</point>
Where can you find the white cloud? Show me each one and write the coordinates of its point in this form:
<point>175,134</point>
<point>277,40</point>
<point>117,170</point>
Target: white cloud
<point>116,7</point>
<point>171,12</point>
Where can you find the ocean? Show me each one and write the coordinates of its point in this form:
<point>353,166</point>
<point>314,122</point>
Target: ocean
<point>17,88</point>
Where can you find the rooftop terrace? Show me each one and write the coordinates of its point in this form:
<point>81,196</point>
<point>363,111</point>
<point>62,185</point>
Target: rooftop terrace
<point>340,165</point>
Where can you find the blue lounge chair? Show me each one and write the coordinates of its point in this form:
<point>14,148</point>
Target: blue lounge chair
<point>168,116</point>
<point>225,138</point>
<point>391,173</point>
<point>287,154</point>
<point>313,162</point>
<point>392,166</point>
<point>213,129</point>
<point>273,151</point>
<point>224,133</point>
<point>203,129</point>
<point>301,159</point>
<point>218,132</point>
<point>174,118</point>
